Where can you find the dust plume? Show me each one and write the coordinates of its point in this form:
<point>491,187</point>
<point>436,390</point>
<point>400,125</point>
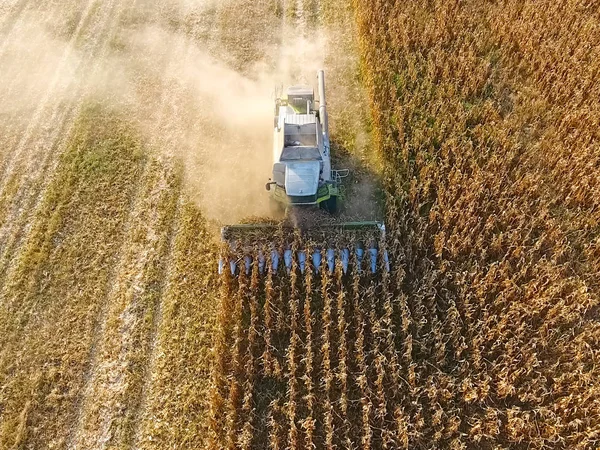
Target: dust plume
<point>215,120</point>
<point>202,98</point>
<point>219,121</point>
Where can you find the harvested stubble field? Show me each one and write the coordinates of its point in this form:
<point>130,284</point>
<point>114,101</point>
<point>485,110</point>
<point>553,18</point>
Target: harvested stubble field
<point>116,331</point>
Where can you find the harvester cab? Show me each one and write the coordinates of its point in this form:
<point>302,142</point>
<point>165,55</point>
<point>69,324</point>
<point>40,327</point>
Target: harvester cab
<point>303,178</point>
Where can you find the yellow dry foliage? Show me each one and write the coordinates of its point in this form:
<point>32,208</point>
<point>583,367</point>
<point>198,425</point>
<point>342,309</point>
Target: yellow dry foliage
<point>108,308</point>
<point>486,115</point>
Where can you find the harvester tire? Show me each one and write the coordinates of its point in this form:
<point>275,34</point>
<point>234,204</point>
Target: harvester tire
<point>331,205</point>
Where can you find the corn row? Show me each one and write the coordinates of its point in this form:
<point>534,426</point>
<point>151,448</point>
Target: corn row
<point>293,394</point>
<point>361,361</point>
<point>251,366</point>
<point>327,374</point>
<point>342,374</point>
<point>236,386</point>
<point>308,423</point>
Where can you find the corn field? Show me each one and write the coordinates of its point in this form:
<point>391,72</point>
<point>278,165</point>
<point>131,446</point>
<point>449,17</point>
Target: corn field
<point>486,332</point>
<point>472,129</point>
<point>487,115</point>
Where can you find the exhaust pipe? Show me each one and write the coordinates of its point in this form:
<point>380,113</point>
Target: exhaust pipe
<point>323,103</point>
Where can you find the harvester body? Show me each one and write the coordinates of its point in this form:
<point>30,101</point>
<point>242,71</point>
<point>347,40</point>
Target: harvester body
<point>302,172</point>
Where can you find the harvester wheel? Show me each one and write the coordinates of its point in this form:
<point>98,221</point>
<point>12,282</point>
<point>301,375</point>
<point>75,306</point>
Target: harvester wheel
<point>331,205</point>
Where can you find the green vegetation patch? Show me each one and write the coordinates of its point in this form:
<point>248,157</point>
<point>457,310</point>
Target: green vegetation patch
<point>54,295</point>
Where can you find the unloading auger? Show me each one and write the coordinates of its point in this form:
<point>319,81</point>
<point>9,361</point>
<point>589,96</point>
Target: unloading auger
<point>303,178</point>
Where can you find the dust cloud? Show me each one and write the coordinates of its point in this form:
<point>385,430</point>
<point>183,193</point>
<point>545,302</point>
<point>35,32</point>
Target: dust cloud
<point>168,68</point>
<point>218,120</point>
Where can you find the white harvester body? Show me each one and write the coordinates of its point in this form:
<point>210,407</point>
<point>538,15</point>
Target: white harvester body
<point>302,173</point>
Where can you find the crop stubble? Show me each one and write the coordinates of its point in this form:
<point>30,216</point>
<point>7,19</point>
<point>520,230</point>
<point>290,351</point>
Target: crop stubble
<point>93,248</point>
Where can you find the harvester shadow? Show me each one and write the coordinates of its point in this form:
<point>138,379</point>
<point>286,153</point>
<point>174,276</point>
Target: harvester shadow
<point>364,197</point>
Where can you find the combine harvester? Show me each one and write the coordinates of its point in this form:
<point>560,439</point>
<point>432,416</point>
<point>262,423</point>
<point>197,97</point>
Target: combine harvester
<point>303,179</point>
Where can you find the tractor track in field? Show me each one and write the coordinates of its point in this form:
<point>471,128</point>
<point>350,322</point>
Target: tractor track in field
<point>19,221</point>
<point>168,102</point>
<point>99,331</point>
<point>109,390</point>
<point>44,151</point>
<point>157,315</point>
<point>294,27</point>
<point>47,100</point>
<point>39,155</point>
<point>300,25</point>
<point>137,433</point>
<point>110,379</point>
<point>110,371</point>
<point>106,376</point>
